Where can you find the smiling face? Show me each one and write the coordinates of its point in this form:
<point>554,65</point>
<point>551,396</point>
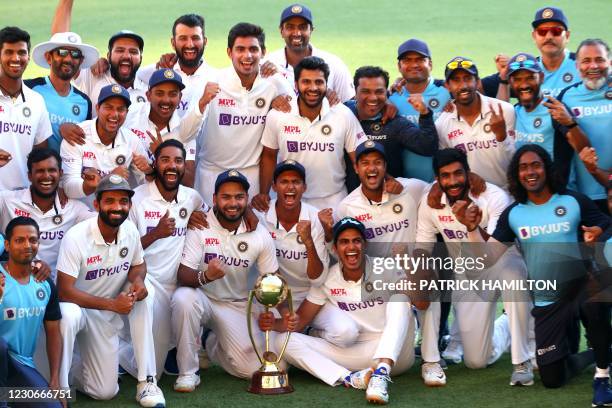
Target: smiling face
<point>63,64</point>
<point>231,201</point>
<point>526,85</point>
<point>532,172</point>
<point>414,67</point>
<point>23,245</point>
<point>245,55</point>
<point>125,59</point>
<point>593,63</point>
<point>296,32</point>
<point>113,207</point>
<point>463,86</point>
<point>289,187</point>
<point>170,167</point>
<point>45,177</point>
<point>189,43</point>
<point>312,87</point>
<point>371,95</point>
<point>350,247</point>
<point>164,99</point>
<point>371,169</point>
<point>111,114</point>
<point>453,181</point>
<point>551,38</point>
<point>14,58</point>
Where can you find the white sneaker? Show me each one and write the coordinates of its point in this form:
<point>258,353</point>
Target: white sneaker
<point>359,379</point>
<point>433,375</point>
<point>148,394</point>
<point>186,383</point>
<point>453,353</point>
<point>377,389</point>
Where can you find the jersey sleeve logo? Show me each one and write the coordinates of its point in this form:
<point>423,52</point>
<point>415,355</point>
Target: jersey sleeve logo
<point>560,211</point>
<point>123,253</point>
<point>568,77</point>
<point>260,102</point>
<point>75,109</point>
<point>57,219</point>
<point>326,129</point>
<point>26,112</point>
<point>243,246</point>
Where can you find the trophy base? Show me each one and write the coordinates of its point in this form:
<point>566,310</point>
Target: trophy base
<point>270,383</point>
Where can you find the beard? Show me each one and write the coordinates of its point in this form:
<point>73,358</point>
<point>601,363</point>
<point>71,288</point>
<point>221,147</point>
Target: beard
<point>64,76</point>
<point>167,185</point>
<point>41,194</point>
<point>114,70</point>
<point>114,223</point>
<point>220,213</point>
<point>191,63</point>
<point>594,84</point>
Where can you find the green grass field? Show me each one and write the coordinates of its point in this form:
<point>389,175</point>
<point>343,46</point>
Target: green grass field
<point>362,33</point>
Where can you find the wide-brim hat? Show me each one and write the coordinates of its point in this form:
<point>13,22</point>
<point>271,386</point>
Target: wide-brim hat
<point>67,39</point>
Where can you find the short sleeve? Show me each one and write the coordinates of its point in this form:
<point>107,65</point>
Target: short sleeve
<point>503,232</point>
<point>266,260</point>
<point>52,311</point>
<point>316,295</point>
<point>269,137</point>
<point>69,257</point>
<point>192,250</point>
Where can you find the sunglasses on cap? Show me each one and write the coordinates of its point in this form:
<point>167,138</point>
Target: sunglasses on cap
<point>63,52</point>
<point>460,64</point>
<point>555,31</point>
<point>516,65</point>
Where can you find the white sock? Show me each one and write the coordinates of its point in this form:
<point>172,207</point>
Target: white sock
<point>384,366</point>
<point>602,372</point>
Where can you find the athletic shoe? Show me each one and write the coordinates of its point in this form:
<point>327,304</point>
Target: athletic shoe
<point>602,392</point>
<point>433,375</point>
<point>377,388</point>
<point>171,366</point>
<point>148,394</point>
<point>522,374</point>
<point>121,371</point>
<point>453,354</point>
<point>186,383</point>
<point>358,379</point>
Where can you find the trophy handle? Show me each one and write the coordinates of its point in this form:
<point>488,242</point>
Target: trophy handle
<point>250,329</point>
<point>290,304</point>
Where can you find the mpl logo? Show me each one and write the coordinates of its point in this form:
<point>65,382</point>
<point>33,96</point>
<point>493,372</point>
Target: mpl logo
<point>454,133</point>
<point>364,217</point>
<point>445,218</point>
<point>152,215</point>
<point>21,213</point>
<point>292,130</point>
<point>94,259</point>
<point>209,257</point>
<point>337,291</point>
<point>227,102</point>
<point>89,155</point>
<point>211,241</point>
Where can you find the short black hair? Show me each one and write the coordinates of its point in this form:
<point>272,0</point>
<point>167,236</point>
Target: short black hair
<point>444,157</point>
<point>593,41</point>
<point>246,30</point>
<point>19,221</point>
<point>190,20</point>
<point>40,154</point>
<point>173,143</point>
<point>13,35</point>
<point>553,181</point>
<point>370,71</point>
<point>311,64</point>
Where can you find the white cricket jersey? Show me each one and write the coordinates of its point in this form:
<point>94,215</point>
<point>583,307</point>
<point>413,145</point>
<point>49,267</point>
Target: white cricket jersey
<point>290,251</point>
<point>340,79</point>
<point>148,206</point>
<point>493,201</point>
<point>318,146</point>
<point>24,122</point>
<point>53,224</point>
<point>486,156</point>
<point>100,269</point>
<point>231,134</point>
<point>239,251</point>
<point>91,85</point>
<point>347,296</point>
<point>99,156</point>
<point>194,83</point>
<point>138,122</point>
<point>393,220</point>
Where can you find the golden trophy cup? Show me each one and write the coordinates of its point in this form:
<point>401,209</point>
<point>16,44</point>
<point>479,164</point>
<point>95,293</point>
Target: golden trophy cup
<point>270,290</point>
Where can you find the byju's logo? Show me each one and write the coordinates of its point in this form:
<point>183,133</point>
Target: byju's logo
<point>227,119</point>
<point>209,257</point>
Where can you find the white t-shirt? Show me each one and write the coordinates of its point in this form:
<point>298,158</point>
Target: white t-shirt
<point>340,79</point>
<point>239,251</point>
<point>148,206</point>
<point>318,146</point>
<point>91,85</point>
<point>290,251</point>
<point>138,122</point>
<point>99,156</point>
<point>53,224</point>
<point>486,156</point>
<point>100,269</point>
<point>24,122</point>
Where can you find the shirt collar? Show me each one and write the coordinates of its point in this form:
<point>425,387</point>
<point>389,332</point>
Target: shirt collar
<point>295,110</point>
<point>26,198</point>
<point>384,199</point>
<point>96,234</point>
<point>272,218</point>
<point>155,194</point>
<point>214,223</point>
<point>484,106</point>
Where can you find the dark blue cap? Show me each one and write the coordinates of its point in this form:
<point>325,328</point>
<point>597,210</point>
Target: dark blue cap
<point>523,61</point>
<point>296,10</point>
<point>348,223</point>
<point>463,63</point>
<point>367,147</point>
<point>231,175</point>
<point>289,164</point>
<point>166,75</point>
<point>116,90</point>
<point>126,34</point>
<point>546,14</point>
<point>414,45</point>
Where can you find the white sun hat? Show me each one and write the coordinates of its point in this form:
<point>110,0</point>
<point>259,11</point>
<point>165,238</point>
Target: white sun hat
<point>68,39</point>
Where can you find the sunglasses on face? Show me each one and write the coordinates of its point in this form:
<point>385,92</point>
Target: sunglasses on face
<point>555,31</point>
<point>463,64</point>
<point>63,52</point>
<point>522,64</point>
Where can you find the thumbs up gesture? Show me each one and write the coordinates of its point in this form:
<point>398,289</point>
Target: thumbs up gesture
<point>165,226</point>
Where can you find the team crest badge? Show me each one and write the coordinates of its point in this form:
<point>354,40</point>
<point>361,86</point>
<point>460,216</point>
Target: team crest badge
<point>260,102</point>
<point>608,94</point>
<point>40,294</point>
<point>537,122</point>
<point>326,130</point>
<point>560,211</point>
<point>369,144</point>
<point>57,219</point>
<point>75,109</point>
<point>243,246</point>
<point>120,160</point>
<point>140,99</point>
<point>290,162</point>
<point>169,74</point>
<point>116,89</point>
<point>521,58</point>
<point>183,213</point>
<point>299,239</point>
<point>115,179</point>
<point>72,38</point>
<point>123,253</point>
<point>568,77</point>
<point>548,13</point>
<point>376,127</point>
<point>487,128</point>
<point>26,112</point>
<point>397,208</point>
<point>296,9</point>
<point>233,173</point>
<point>434,103</point>
<point>369,287</point>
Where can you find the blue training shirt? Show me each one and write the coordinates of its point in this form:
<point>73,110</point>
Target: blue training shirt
<point>592,110</point>
<point>559,79</point>
<point>23,309</point>
<point>436,96</point>
<point>74,107</point>
<point>548,234</point>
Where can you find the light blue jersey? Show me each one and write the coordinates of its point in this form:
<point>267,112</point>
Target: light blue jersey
<point>23,309</point>
<point>74,107</point>
<point>564,76</point>
<point>592,111</point>
<point>436,97</point>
